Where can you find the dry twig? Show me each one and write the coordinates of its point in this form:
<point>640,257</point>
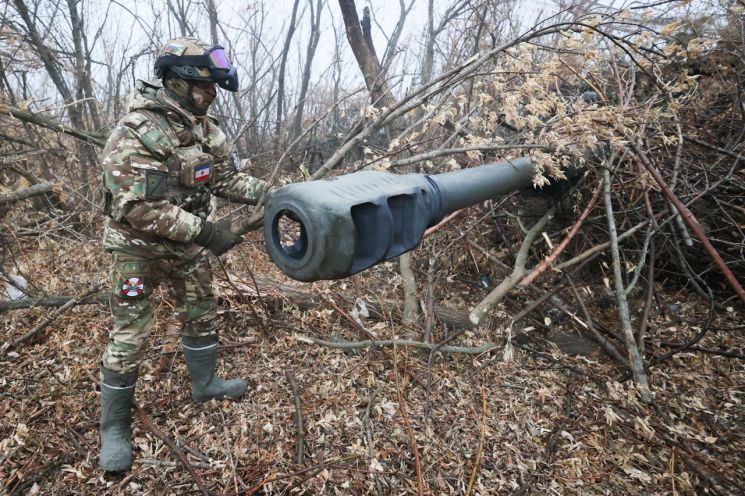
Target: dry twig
<point>50,318</point>
<point>481,443</point>
<point>298,417</point>
<point>169,442</point>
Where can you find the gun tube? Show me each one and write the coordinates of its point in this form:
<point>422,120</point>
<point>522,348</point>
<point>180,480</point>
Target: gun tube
<point>466,187</point>
<point>349,223</point>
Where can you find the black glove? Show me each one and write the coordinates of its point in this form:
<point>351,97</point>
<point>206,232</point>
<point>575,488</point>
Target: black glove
<point>217,237</point>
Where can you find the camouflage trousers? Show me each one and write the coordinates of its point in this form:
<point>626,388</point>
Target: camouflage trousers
<point>133,280</point>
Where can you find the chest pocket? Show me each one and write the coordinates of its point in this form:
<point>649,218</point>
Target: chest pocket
<point>190,167</point>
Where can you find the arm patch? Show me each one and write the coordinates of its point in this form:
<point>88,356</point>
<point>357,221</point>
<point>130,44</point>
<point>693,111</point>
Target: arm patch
<point>155,185</point>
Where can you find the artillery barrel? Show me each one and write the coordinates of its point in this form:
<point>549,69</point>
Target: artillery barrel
<point>336,227</point>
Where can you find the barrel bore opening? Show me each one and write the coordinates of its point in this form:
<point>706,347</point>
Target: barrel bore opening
<point>290,235</point>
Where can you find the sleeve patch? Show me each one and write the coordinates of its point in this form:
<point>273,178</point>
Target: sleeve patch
<point>155,185</point>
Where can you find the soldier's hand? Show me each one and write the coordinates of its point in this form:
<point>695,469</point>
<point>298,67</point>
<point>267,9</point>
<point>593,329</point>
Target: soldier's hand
<point>217,237</point>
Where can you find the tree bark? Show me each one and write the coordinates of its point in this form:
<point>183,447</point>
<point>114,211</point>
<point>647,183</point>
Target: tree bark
<point>365,56</point>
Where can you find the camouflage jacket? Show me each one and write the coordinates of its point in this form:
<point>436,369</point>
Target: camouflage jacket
<point>161,164</point>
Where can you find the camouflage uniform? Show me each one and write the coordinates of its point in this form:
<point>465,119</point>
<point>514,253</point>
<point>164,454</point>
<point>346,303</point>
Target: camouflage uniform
<point>161,165</point>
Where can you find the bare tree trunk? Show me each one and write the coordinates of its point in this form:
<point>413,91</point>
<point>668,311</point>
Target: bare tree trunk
<point>411,306</point>
<point>83,64</point>
<point>233,129</point>
<point>212,14</point>
<point>390,50</point>
<point>182,16</point>
<point>428,60</point>
<point>365,55</point>
<point>282,68</point>
<point>315,35</point>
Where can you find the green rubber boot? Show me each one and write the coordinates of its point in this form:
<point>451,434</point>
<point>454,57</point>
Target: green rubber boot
<point>117,393</point>
<point>201,360</point>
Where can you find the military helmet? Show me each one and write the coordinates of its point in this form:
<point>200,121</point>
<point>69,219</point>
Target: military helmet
<point>194,60</point>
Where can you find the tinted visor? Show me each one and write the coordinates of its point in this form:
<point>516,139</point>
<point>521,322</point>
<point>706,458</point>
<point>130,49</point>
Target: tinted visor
<point>218,58</point>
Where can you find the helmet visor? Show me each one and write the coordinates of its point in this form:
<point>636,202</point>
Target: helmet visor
<point>218,58</point>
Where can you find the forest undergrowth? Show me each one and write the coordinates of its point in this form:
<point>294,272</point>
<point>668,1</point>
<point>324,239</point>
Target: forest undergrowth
<point>524,417</point>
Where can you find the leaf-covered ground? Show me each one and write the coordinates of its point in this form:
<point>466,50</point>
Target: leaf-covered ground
<point>552,423</point>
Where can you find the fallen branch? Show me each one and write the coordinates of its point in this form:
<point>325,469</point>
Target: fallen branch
<point>611,350</point>
<point>49,301</point>
<point>51,318</point>
<point>719,149</point>
<point>456,318</point>
<point>367,423</point>
<point>480,451</point>
<point>412,437</point>
<point>166,463</point>
<point>406,343</point>
<point>454,151</point>
<point>509,282</point>
<point>298,417</point>
<point>713,351</point>
<point>49,123</point>
<point>314,470</point>
<point>22,194</point>
<point>175,449</point>
<point>599,248</point>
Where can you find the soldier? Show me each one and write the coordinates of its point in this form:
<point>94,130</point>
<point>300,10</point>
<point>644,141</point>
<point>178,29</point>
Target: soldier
<point>161,165</point>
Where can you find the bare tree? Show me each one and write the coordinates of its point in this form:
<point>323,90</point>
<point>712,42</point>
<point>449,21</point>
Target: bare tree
<point>282,69</point>
<point>73,105</point>
<point>433,31</point>
<point>315,36</point>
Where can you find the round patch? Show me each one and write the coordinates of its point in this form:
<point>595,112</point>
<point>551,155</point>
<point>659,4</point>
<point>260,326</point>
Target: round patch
<point>133,287</point>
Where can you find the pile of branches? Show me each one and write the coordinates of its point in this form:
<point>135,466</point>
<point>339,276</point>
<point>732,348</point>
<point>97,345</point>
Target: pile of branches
<point>635,130</point>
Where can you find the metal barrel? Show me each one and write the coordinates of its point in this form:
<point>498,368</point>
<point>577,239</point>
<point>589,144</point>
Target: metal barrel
<point>336,227</point>
<point>466,187</point>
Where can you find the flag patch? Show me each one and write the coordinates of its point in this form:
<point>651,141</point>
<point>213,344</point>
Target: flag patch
<point>175,49</point>
<point>201,173</point>
<point>133,287</point>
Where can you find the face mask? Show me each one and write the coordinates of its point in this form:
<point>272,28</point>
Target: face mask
<point>202,95</point>
<point>195,97</point>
